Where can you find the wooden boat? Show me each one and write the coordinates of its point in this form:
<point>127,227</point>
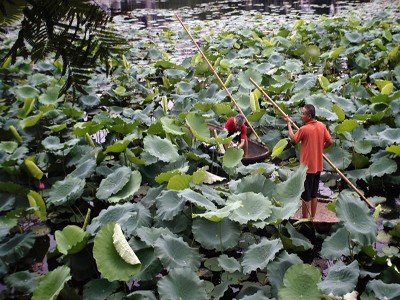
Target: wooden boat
<point>257,152</point>
<point>324,218</point>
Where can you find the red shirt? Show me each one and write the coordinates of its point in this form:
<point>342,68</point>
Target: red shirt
<point>312,136</point>
<point>230,126</point>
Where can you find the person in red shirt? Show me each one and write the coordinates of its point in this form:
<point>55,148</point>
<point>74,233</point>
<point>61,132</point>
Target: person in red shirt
<point>314,138</point>
<point>236,125</point>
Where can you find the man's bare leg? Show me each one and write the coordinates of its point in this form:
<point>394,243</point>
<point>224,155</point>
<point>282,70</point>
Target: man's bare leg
<point>305,208</point>
<point>314,204</point>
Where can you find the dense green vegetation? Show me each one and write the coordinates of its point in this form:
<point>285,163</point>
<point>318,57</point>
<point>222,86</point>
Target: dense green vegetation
<point>119,174</point>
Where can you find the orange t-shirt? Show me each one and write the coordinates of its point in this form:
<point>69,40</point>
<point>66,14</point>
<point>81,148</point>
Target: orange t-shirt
<point>312,136</point>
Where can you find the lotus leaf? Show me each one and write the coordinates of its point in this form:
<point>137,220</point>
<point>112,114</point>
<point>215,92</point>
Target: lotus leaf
<point>229,264</point>
<point>232,157</point>
<point>36,200</point>
<point>279,147</point>
<point>225,234</point>
<point>26,91</point>
<point>52,284</point>
<point>99,289</point>
<point>113,183</point>
<point>182,283</point>
<point>23,281</point>
<point>160,148</point>
<point>297,241</point>
<point>70,240</point>
<point>174,253</point>
<point>300,281</point>
<point>305,82</point>
<point>122,246</point>
<point>254,207</point>
<point>17,247</point>
<point>179,182</point>
<point>278,268</point>
<point>383,166</point>
<point>66,191</point>
<point>346,275</point>
<point>383,290</point>
<point>257,256</point>
<point>197,199</point>
<point>85,169</point>
<point>169,204</point>
<point>219,214</point>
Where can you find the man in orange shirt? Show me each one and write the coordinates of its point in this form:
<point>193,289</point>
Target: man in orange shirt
<point>314,138</point>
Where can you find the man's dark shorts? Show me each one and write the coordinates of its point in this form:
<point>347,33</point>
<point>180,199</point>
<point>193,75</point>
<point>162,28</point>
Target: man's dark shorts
<point>311,186</point>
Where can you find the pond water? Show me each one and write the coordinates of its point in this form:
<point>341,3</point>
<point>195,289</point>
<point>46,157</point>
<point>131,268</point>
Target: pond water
<point>316,7</point>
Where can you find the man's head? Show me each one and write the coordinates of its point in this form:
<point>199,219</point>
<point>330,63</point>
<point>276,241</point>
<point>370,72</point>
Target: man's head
<point>307,113</point>
<point>239,120</point>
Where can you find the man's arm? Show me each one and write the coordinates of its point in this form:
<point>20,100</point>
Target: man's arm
<point>289,125</point>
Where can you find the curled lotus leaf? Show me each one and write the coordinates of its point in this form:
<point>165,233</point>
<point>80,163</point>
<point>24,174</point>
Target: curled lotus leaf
<point>71,239</point>
<point>122,246</point>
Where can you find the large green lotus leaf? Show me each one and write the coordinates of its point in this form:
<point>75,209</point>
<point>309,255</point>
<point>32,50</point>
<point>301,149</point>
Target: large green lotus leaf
<point>363,146</point>
<point>66,191</point>
<point>129,215</point>
<point>141,295</point>
<point>99,289</point>
<point>17,247</point>
<point>160,148</point>
<point>305,82</point>
<point>182,283</point>
<point>169,126</point>
<point>340,157</point>
<point>165,177</point>
<point>383,166</point>
<point>320,101</point>
<point>85,169</point>
<point>291,189</point>
<point>70,240</point>
<point>51,97</point>
<point>229,264</point>
<point>300,282</point>
<point>198,126</point>
<point>232,157</point>
<point>346,126</point>
<point>174,252</point>
<point>278,267</point>
<point>359,161</point>
<point>255,183</point>
<point>257,256</point>
<point>169,204</point>
<point>113,183</point>
<point>244,78</point>
<point>337,244</point>
<point>216,235</point>
<point>356,217</point>
<point>254,207</point>
<point>129,189</point>
<point>52,284</point>
<point>26,91</point>
<point>384,290</point>
<point>211,193</point>
<point>219,214</point>
<point>197,199</point>
<point>109,262</point>
<point>390,136</point>
<point>179,182</point>
<point>52,143</point>
<point>346,275</point>
<point>24,282</point>
<point>279,147</point>
<point>353,37</point>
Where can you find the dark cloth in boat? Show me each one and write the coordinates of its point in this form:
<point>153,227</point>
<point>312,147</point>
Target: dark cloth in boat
<point>311,185</point>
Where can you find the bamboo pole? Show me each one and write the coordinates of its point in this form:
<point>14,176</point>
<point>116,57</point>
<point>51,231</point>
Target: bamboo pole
<point>323,155</point>
<point>219,79</point>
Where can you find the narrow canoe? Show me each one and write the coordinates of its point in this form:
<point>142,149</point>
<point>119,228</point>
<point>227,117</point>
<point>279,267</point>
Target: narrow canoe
<point>257,152</point>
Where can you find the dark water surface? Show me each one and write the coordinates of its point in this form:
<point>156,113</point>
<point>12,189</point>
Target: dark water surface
<point>211,8</point>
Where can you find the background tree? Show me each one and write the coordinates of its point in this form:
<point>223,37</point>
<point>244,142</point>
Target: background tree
<point>74,30</point>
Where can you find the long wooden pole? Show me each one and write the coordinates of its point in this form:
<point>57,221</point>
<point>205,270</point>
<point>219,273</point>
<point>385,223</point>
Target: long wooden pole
<point>219,79</point>
<point>323,155</point>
